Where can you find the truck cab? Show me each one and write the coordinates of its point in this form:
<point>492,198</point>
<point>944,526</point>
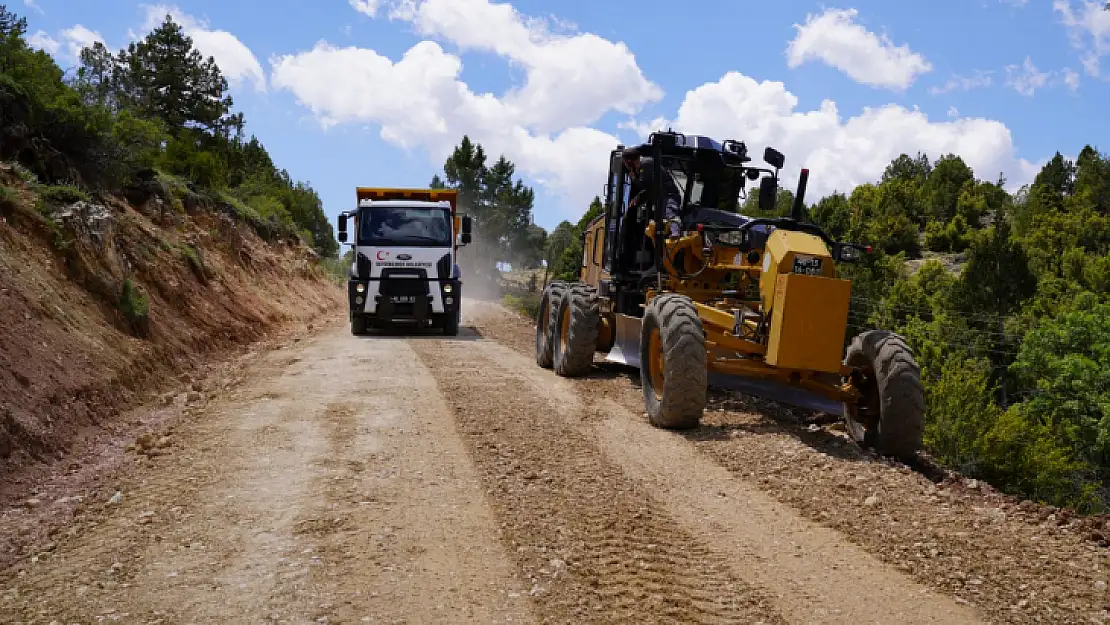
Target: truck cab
<point>405,270</point>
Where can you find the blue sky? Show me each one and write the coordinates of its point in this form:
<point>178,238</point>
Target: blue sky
<point>556,85</point>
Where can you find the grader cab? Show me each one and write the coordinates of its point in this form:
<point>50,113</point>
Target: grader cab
<point>677,283</point>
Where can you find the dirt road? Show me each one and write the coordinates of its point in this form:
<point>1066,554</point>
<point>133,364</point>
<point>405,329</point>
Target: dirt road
<point>432,480</point>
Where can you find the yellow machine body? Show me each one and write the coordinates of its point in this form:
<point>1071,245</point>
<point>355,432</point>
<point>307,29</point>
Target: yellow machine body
<point>717,299</point>
<point>780,319</point>
<point>808,304</point>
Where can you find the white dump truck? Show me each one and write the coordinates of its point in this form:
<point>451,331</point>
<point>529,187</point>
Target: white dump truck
<point>405,271</point>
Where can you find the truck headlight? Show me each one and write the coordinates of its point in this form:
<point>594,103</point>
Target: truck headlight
<point>447,288</point>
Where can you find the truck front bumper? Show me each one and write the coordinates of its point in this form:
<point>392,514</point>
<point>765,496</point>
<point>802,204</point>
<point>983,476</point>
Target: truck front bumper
<point>387,302</point>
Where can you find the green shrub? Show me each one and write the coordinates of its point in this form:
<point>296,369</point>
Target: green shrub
<point>135,308</point>
<point>7,198</point>
<point>139,140</point>
<point>61,194</point>
<point>26,175</point>
<point>196,264</point>
<point>338,269</point>
<point>527,304</point>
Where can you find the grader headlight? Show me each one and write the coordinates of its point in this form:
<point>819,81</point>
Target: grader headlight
<point>734,238</point>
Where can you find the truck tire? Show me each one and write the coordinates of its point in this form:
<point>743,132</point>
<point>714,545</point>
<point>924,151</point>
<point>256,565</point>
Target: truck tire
<point>891,415</point>
<point>358,325</point>
<point>546,322</point>
<point>451,323</point>
<point>673,362</point>
<point>576,335</point>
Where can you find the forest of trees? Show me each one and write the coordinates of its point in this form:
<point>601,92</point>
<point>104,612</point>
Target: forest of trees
<point>500,207</point>
<point>157,107</point>
<point>1009,313</point>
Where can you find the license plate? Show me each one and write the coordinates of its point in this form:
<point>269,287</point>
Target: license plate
<point>403,299</point>
<point>807,265</point>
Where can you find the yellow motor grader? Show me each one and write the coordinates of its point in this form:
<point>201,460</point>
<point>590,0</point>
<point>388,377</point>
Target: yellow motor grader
<point>694,294</point>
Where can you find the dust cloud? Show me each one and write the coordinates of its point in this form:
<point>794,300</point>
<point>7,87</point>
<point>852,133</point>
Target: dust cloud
<point>478,263</point>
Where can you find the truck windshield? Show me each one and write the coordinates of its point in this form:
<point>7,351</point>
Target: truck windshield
<point>405,227</point>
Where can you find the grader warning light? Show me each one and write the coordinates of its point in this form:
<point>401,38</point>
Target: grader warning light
<point>693,294</point>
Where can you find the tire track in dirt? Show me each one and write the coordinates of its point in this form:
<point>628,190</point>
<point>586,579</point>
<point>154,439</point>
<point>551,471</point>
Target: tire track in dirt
<point>595,545</point>
<point>330,487</point>
<point>817,574</point>
<point>1014,561</point>
<point>405,535</point>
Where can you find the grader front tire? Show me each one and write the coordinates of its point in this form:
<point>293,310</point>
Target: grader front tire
<point>891,416</point>
<point>546,322</point>
<point>673,362</point>
<point>579,325</point>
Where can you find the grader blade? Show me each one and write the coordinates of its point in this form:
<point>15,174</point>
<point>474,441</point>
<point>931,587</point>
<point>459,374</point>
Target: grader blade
<point>626,345</point>
<point>777,391</point>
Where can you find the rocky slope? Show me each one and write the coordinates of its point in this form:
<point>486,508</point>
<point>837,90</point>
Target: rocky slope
<point>107,301</point>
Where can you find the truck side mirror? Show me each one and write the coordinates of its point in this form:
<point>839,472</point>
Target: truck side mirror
<point>768,193</point>
<point>466,226</point>
<point>342,228</point>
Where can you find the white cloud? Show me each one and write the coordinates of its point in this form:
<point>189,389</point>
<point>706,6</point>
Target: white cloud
<point>420,102</point>
<point>570,81</point>
<point>1088,25</point>
<point>42,41</point>
<point>78,38</point>
<point>67,47</point>
<point>368,7</point>
<point>236,61</point>
<point>953,111</point>
<point>842,153</point>
<point>964,83</point>
<point>570,78</point>
<point>1025,79</point>
<point>31,4</point>
<point>1071,78</point>
<point>836,39</point>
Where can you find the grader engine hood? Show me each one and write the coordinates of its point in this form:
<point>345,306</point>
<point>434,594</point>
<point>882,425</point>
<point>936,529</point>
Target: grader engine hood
<point>807,303</point>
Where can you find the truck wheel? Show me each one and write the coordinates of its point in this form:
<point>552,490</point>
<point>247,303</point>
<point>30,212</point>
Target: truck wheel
<point>358,325</point>
<point>546,322</point>
<point>451,323</point>
<point>673,362</point>
<point>579,317</point>
<point>890,416</point>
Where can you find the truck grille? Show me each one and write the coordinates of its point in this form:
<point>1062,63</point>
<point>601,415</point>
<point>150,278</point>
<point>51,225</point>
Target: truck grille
<point>404,282</point>
<point>403,286</point>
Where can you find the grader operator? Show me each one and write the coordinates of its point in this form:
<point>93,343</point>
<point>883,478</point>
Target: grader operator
<point>678,284</point>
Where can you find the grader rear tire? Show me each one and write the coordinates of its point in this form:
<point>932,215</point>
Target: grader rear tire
<point>891,415</point>
<point>579,324</point>
<point>673,362</point>
<point>546,322</point>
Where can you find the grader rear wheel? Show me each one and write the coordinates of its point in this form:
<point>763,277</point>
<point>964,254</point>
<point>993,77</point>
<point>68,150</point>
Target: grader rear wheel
<point>891,416</point>
<point>579,325</point>
<point>673,362</point>
<point>546,323</point>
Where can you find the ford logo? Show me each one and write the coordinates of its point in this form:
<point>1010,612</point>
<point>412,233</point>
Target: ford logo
<point>404,257</point>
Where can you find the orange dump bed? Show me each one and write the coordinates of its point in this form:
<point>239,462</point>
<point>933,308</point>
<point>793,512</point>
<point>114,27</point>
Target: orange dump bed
<point>421,195</point>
